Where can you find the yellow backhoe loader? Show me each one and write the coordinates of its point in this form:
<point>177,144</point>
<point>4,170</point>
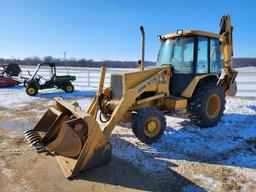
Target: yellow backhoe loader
<point>186,81</point>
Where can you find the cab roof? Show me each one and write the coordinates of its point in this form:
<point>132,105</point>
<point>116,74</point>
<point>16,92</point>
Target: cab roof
<point>191,32</point>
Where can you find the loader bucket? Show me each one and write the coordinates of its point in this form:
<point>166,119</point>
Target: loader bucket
<point>232,89</point>
<point>73,136</point>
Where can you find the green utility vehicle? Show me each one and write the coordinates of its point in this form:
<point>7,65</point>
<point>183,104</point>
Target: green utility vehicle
<point>38,82</point>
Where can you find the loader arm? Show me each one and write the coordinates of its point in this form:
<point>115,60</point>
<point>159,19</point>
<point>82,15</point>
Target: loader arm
<point>128,100</point>
<point>93,108</point>
<point>228,82</point>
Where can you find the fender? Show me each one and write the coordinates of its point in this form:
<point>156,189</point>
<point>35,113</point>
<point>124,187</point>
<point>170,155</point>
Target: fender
<point>188,92</point>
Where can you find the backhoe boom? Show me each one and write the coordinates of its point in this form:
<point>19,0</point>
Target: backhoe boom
<point>228,82</point>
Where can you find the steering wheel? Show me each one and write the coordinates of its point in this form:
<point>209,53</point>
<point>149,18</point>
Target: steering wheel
<point>40,77</point>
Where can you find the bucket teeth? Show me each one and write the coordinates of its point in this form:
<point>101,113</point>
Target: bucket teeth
<point>32,139</point>
<point>35,140</point>
<point>29,131</point>
<point>40,148</point>
<point>30,134</point>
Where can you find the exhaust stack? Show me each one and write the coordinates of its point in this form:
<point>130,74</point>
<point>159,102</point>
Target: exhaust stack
<point>141,62</point>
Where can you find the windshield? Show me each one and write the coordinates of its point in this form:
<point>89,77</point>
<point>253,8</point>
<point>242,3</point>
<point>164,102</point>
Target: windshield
<point>179,52</point>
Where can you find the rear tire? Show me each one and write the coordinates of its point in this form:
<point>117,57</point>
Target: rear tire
<point>69,88</point>
<point>207,105</point>
<point>148,125</point>
<point>31,90</point>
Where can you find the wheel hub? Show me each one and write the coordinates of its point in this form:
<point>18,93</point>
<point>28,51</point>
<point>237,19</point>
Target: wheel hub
<point>213,106</point>
<point>31,91</point>
<point>152,127</point>
<point>69,88</point>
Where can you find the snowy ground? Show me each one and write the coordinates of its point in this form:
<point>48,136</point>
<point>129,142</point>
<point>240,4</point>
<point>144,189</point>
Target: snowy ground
<point>16,96</point>
<point>232,143</point>
<point>221,158</point>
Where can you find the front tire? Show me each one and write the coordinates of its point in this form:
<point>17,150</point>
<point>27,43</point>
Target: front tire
<point>148,125</point>
<point>207,105</point>
<point>31,90</point>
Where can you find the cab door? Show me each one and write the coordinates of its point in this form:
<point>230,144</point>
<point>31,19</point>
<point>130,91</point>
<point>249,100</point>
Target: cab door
<point>182,62</point>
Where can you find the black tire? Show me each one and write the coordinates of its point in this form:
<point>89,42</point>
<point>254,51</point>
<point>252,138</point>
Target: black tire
<point>140,123</point>
<point>203,114</point>
<point>68,88</point>
<point>32,90</point>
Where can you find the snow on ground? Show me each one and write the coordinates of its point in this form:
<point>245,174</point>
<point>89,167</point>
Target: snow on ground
<point>246,81</point>
<point>17,97</point>
<point>231,142</point>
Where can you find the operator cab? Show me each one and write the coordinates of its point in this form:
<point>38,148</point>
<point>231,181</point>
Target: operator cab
<point>190,54</point>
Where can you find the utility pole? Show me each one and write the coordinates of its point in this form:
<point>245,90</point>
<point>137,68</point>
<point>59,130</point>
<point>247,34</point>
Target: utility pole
<point>65,61</point>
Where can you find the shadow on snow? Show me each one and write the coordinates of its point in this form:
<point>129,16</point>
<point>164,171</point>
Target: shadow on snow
<point>50,93</point>
<point>76,93</point>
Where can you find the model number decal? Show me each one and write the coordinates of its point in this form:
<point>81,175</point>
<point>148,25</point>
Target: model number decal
<point>147,84</point>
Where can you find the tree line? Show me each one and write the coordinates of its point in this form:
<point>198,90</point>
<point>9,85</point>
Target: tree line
<point>244,62</point>
<point>73,62</point>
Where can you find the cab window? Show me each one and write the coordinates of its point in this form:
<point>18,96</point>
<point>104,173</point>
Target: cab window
<point>178,52</point>
<point>202,55</point>
<point>183,54</point>
<point>164,55</point>
<point>215,56</point>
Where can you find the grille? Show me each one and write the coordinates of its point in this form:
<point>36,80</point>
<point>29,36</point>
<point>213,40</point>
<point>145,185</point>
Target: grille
<point>116,86</point>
